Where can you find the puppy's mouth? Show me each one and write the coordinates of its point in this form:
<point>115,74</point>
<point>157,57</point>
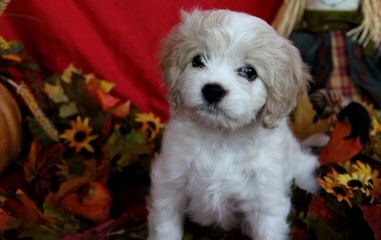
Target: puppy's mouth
<point>212,110</point>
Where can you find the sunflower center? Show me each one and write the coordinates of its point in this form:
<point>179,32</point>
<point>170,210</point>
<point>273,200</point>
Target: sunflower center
<point>151,124</point>
<point>340,191</point>
<point>80,136</point>
<point>354,183</point>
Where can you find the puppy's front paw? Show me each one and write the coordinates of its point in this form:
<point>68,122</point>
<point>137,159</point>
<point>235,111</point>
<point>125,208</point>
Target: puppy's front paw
<point>308,174</point>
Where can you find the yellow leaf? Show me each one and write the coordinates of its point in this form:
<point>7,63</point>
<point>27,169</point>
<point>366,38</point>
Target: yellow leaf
<point>68,73</point>
<point>55,93</point>
<point>3,44</point>
<point>106,86</point>
<point>68,109</point>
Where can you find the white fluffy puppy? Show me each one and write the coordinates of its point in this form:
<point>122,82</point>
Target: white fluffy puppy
<point>228,156</point>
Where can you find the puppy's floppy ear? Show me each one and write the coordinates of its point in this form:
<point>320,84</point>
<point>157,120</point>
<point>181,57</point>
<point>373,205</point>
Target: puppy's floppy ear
<point>288,82</point>
<point>174,57</point>
<point>170,61</point>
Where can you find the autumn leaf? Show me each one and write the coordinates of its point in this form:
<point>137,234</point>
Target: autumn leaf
<point>55,93</point>
<point>67,222</point>
<point>69,72</point>
<point>373,216</point>
<point>319,207</point>
<point>25,209</point>
<point>30,230</point>
<point>68,110</point>
<point>122,110</point>
<point>8,222</point>
<point>126,148</point>
<point>98,232</point>
<point>103,85</point>
<point>97,171</point>
<point>339,149</point>
<point>12,57</point>
<point>76,91</point>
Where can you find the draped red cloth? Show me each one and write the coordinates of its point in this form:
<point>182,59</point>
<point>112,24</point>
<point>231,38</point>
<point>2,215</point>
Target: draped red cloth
<point>118,40</point>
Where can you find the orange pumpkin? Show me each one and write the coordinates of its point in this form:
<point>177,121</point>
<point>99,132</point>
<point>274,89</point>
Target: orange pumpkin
<point>10,128</point>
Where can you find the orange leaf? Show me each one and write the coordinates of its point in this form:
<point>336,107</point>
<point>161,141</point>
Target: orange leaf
<point>339,149</point>
<point>106,100</point>
<point>25,208</point>
<point>72,185</point>
<point>121,110</point>
<point>12,57</point>
<point>7,222</point>
<point>30,166</point>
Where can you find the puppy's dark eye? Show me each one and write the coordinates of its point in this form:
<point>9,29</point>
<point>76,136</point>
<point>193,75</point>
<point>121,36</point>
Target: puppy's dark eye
<point>247,72</point>
<point>198,61</point>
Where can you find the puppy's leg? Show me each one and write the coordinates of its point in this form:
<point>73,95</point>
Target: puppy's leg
<point>165,220</point>
<point>305,171</point>
<point>268,221</point>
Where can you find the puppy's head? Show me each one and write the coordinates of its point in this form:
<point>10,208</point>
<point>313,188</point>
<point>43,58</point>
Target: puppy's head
<point>229,69</point>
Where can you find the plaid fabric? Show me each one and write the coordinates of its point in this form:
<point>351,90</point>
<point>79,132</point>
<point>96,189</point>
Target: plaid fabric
<point>341,80</point>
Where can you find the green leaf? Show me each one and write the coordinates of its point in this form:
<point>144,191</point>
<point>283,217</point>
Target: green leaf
<point>15,47</point>
<point>76,91</point>
<point>322,229</point>
<point>126,148</point>
<point>69,222</point>
<point>39,232</point>
<point>68,109</point>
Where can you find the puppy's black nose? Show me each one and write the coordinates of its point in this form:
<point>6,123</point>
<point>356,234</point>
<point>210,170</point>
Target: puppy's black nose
<point>213,92</point>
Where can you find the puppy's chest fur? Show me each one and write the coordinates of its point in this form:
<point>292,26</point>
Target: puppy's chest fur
<point>221,175</point>
<point>215,184</point>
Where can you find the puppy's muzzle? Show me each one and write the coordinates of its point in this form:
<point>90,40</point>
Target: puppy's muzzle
<point>213,92</point>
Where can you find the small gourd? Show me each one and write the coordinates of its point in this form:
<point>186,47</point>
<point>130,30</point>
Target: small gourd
<point>10,128</point>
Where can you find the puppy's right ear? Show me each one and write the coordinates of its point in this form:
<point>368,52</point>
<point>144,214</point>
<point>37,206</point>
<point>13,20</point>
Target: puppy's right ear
<point>170,64</point>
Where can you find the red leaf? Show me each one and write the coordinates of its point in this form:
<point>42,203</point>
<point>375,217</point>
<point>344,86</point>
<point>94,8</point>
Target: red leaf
<point>106,100</point>
<point>7,222</point>
<point>338,149</point>
<point>319,207</point>
<point>373,217</point>
<point>300,234</point>
<point>97,233</point>
<point>25,208</point>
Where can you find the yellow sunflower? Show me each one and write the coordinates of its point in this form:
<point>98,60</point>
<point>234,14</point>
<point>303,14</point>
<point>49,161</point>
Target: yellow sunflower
<point>374,182</point>
<point>356,181</point>
<point>376,118</point>
<point>150,124</point>
<point>79,135</point>
<point>363,168</point>
<point>330,184</point>
<point>376,127</point>
<point>375,192</point>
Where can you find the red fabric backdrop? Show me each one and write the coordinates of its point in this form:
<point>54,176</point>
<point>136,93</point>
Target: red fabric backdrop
<point>118,40</point>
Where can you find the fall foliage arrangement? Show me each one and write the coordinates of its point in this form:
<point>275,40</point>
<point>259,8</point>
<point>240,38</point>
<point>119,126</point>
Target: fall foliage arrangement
<point>83,172</point>
<point>81,145</point>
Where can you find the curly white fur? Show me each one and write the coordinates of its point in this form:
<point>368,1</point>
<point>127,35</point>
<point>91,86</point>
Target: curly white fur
<point>229,163</point>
